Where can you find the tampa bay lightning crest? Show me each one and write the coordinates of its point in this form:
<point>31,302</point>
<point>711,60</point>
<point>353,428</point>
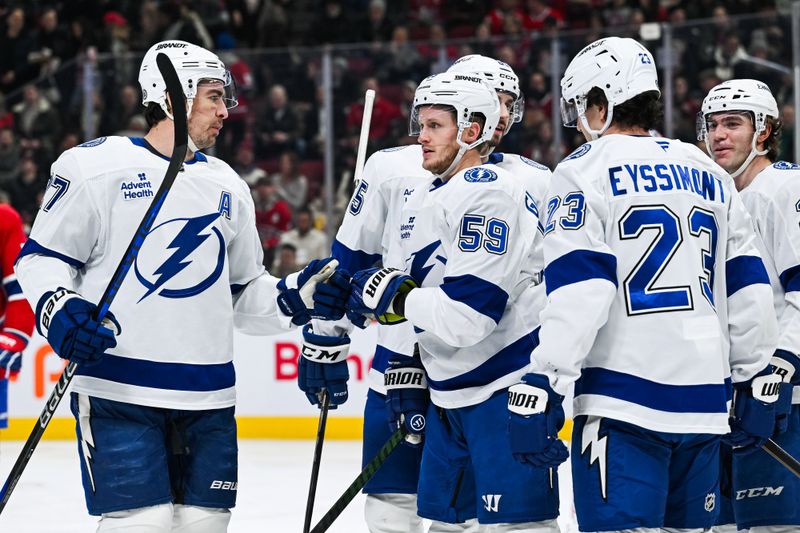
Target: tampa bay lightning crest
<point>184,268</point>
<point>580,151</point>
<point>785,165</point>
<point>480,175</point>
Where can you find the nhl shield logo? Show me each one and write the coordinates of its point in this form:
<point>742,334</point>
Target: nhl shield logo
<point>710,502</point>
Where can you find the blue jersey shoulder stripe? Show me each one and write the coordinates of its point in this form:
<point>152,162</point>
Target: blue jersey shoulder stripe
<point>580,265</point>
<point>353,260</point>
<point>706,398</point>
<point>33,247</point>
<point>513,357</point>
<point>790,281</point>
<point>483,296</point>
<point>12,288</point>
<point>158,375</point>
<point>743,271</point>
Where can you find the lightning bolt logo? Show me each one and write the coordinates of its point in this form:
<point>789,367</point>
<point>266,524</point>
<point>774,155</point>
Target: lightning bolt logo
<point>87,439</point>
<point>420,267</point>
<point>188,239</point>
<point>597,446</point>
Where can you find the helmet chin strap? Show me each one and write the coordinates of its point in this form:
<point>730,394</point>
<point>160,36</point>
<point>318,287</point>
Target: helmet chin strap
<point>595,134</point>
<point>752,155</point>
<point>463,147</point>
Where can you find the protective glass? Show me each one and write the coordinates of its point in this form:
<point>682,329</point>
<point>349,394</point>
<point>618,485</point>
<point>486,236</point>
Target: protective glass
<point>569,113</point>
<point>229,89</point>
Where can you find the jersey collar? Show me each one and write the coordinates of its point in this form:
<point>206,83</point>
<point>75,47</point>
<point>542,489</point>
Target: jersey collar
<point>140,141</point>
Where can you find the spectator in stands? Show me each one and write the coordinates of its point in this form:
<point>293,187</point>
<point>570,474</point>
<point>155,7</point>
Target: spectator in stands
<point>187,25</point>
<point>503,10</point>
<point>286,261</point>
<point>538,11</point>
<point>27,190</point>
<point>246,167</point>
<point>280,127</point>
<point>787,133</point>
<point>16,44</point>
<point>377,27</point>
<point>238,125</point>
<point>402,60</point>
<point>291,185</point>
<point>6,116</point>
<point>273,216</point>
<point>331,24</point>
<point>384,114</point>
<point>482,44</point>
<point>9,158</point>
<point>126,106</point>
<point>309,242</point>
<point>38,123</point>
<point>727,54</point>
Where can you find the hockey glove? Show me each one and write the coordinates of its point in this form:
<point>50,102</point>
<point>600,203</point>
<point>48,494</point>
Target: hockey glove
<point>66,320</point>
<point>323,365</point>
<point>11,347</point>
<point>381,293</point>
<point>787,366</point>
<point>304,296</point>
<point>407,396</point>
<point>534,419</point>
<point>752,418</point>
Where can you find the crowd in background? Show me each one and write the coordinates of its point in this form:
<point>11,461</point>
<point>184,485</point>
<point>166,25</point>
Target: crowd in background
<point>274,138</point>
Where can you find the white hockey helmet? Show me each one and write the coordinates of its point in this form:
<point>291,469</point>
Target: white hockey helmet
<point>499,75</point>
<point>467,94</point>
<point>750,96</point>
<point>620,67</point>
<point>193,64</point>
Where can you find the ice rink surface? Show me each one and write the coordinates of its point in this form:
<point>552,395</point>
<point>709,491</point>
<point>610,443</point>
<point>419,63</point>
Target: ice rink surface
<point>273,487</point>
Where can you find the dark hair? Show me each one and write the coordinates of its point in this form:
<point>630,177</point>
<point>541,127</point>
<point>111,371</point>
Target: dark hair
<point>643,110</point>
<point>153,114</point>
<point>772,143</point>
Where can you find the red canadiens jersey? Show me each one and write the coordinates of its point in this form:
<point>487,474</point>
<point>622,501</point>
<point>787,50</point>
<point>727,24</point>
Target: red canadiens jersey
<point>16,313</point>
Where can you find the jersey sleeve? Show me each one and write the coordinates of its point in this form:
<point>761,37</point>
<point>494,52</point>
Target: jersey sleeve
<point>19,316</point>
<point>358,243</point>
<point>66,230</point>
<point>752,325</point>
<point>580,276</point>
<point>255,306</point>
<point>488,236</point>
<point>782,216</point>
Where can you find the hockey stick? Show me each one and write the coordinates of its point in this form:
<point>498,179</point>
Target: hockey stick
<point>782,456</point>
<point>366,120</point>
<point>175,92</point>
<point>369,100</point>
<point>312,488</point>
<point>362,479</point>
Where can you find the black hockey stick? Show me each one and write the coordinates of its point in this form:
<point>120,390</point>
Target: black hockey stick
<point>782,456</point>
<point>176,96</point>
<point>312,488</point>
<point>362,479</point>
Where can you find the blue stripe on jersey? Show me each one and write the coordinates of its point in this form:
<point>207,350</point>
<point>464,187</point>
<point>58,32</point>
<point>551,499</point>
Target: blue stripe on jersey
<point>483,296</point>
<point>709,398</point>
<point>580,265</point>
<point>157,375</point>
<point>743,271</point>
<point>12,288</point>
<point>510,359</point>
<point>353,260</point>
<point>33,247</point>
<point>382,355</point>
<point>236,288</point>
<point>140,141</point>
<point>790,281</point>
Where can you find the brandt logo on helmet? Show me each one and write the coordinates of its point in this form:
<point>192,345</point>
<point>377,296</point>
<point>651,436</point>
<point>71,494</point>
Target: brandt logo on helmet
<point>473,79</point>
<point>171,45</point>
<point>479,175</point>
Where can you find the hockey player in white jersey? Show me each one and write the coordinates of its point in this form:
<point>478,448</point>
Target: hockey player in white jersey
<point>370,233</point>
<point>154,392</point>
<point>466,238</point>
<point>741,129</point>
<point>658,299</point>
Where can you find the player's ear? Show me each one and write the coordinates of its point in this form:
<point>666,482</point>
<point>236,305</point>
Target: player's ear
<point>472,133</point>
<point>764,135</point>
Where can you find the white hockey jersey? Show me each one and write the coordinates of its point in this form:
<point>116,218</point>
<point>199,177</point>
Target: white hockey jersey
<point>773,201</point>
<point>198,273</point>
<point>656,290</point>
<point>368,235</point>
<point>467,241</point>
